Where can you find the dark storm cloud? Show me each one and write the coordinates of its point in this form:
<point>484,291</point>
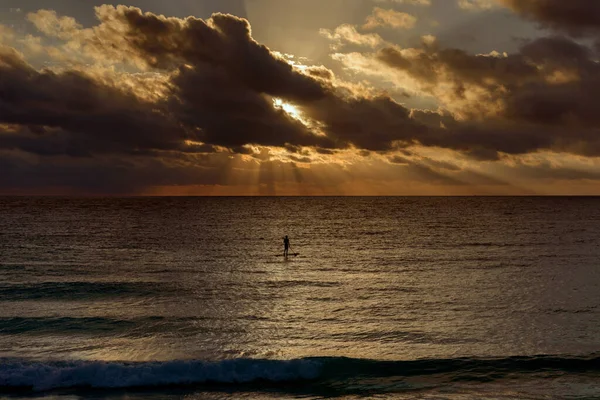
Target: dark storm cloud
<point>543,97</point>
<point>434,119</point>
<point>233,115</point>
<point>325,151</point>
<point>576,17</point>
<point>320,72</point>
<point>571,100</point>
<point>226,82</point>
<point>484,141</point>
<point>223,42</point>
<point>79,111</point>
<point>219,88</point>
<point>367,123</point>
<point>218,96</point>
<point>399,160</point>
<point>434,65</point>
<point>230,74</point>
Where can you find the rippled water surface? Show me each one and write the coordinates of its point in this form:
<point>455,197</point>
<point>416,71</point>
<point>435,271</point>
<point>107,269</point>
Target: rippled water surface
<point>455,298</point>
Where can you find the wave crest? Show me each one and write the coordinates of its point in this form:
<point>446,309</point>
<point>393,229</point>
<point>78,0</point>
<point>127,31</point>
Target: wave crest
<point>44,376</point>
<point>110,375</point>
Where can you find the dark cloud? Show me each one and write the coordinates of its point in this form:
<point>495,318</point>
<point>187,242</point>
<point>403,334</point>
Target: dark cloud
<point>541,98</point>
<point>325,151</point>
<point>225,83</point>
<point>301,160</point>
<point>222,93</point>
<point>434,119</point>
<point>435,65</point>
<point>223,42</point>
<point>230,114</point>
<point>367,123</point>
<point>227,86</point>
<point>575,17</point>
<point>78,113</point>
<point>399,160</point>
<point>320,72</point>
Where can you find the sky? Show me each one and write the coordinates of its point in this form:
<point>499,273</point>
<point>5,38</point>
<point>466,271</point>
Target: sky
<point>299,97</point>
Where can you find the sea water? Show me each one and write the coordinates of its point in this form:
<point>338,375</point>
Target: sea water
<point>172,298</point>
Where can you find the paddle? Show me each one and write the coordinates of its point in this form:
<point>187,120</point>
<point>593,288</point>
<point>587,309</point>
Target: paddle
<point>293,254</point>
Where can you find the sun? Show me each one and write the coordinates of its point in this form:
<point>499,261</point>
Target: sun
<point>290,109</point>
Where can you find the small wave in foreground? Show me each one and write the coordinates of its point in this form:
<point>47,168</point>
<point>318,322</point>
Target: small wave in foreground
<point>19,375</point>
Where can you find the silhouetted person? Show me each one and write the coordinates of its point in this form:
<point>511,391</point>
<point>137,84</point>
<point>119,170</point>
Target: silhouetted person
<point>286,246</point>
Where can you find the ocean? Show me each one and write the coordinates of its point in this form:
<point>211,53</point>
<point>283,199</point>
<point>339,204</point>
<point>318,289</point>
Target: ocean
<point>387,298</point>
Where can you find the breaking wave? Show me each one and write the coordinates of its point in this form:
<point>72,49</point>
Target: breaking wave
<point>19,375</point>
